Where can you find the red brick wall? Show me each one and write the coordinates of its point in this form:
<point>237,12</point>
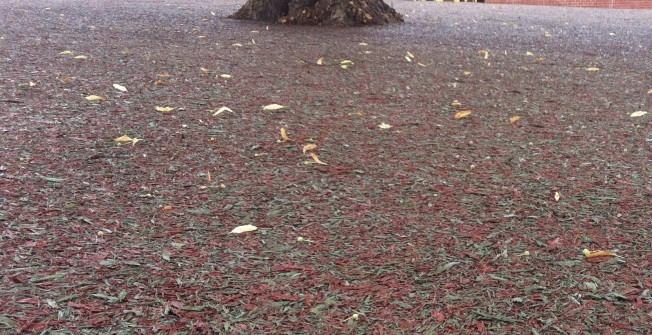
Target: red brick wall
<point>631,4</point>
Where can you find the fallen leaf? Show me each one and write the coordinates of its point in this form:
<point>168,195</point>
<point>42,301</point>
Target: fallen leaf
<point>94,98</point>
<point>284,135</point>
<point>163,109</point>
<point>514,119</point>
<point>421,64</point>
<point>120,87</point>
<point>309,147</point>
<point>164,75</point>
<point>462,114</point>
<point>468,73</point>
<point>273,107</point>
<point>649,92</point>
<point>484,54</point>
<point>637,114</point>
<point>67,52</point>
<point>409,54</point>
<point>316,159</point>
<point>123,139</point>
<point>167,208</point>
<point>320,61</point>
<point>456,104</point>
<point>548,34</point>
<point>236,44</point>
<point>222,110</point>
<point>362,44</point>
<point>346,62</point>
<point>592,69</point>
<point>529,53</point>
<point>226,76</point>
<point>243,229</point>
<point>203,69</point>
<point>557,196</point>
<point>384,126</point>
<point>166,255</point>
<point>201,36</point>
<point>82,57</point>
<point>408,59</point>
<point>445,267</point>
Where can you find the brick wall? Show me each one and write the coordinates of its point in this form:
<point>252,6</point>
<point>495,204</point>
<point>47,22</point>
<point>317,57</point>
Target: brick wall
<point>623,4</point>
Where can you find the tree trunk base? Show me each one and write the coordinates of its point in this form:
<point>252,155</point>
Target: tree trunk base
<point>319,12</point>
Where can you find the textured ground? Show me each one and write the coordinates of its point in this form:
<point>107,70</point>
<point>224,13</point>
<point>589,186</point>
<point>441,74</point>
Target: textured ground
<point>436,225</point>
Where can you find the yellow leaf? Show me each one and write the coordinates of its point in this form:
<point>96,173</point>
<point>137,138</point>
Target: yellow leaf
<point>649,92</point>
<point>222,110</point>
<point>94,98</point>
<point>529,53</point>
<point>557,196</point>
<point>163,109</point>
<point>309,147</point>
<point>159,82</point>
<point>201,36</point>
<point>316,159</point>
<point>226,76</point>
<point>514,119</point>
<point>67,52</point>
<point>81,57</point>
<point>592,69</point>
<point>120,87</point>
<point>273,107</point>
<point>164,75</point>
<point>598,253</point>
<point>284,135</point>
<point>637,114</point>
<point>462,114</point>
<point>484,54</point>
<point>384,126</point>
<point>467,73</point>
<point>320,61</point>
<point>203,69</point>
<point>243,229</point>
<point>456,104</point>
<point>123,139</point>
<point>408,59</point>
<point>346,62</point>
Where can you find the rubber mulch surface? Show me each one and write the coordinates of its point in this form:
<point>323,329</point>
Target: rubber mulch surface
<point>470,156</point>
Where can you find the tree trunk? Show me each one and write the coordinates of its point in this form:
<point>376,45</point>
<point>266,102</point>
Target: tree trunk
<point>319,12</point>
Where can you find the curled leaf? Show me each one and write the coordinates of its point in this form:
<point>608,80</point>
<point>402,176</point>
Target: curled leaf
<point>637,114</point>
<point>120,87</point>
<point>243,229</point>
<point>484,54</point>
<point>284,135</point>
<point>529,53</point>
<point>273,107</point>
<point>514,119</point>
<point>599,253</point>
<point>309,147</point>
<point>222,110</point>
<point>94,98</point>
<point>456,104</point>
<point>82,57</point>
<point>163,109</point>
<point>316,159</point>
<point>462,114</point>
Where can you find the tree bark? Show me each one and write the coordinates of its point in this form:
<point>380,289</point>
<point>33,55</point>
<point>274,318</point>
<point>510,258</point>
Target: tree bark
<point>319,12</point>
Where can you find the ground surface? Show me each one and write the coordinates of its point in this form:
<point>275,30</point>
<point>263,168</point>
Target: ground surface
<point>421,228</point>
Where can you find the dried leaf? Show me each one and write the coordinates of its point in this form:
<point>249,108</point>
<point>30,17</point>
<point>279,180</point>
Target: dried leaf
<point>82,57</point>
<point>67,52</point>
<point>346,62</point>
<point>163,109</point>
<point>123,139</point>
<point>467,73</point>
<point>529,53</point>
<point>456,104</point>
<point>203,69</point>
<point>548,34</point>
<point>236,44</point>
<point>649,92</point>
<point>637,114</point>
<point>362,44</point>
<point>484,54</point>
<point>201,36</point>
<point>316,159</point>
<point>408,59</point>
<point>164,75</point>
<point>273,107</point>
<point>409,55</point>
<point>284,135</point>
<point>309,147</point>
<point>222,110</point>
<point>166,255</point>
<point>462,114</point>
<point>243,229</point>
<point>120,87</point>
<point>599,253</point>
<point>320,61</point>
<point>514,119</point>
<point>226,76</point>
<point>384,126</point>
<point>94,98</point>
<point>592,69</point>
<point>557,196</point>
